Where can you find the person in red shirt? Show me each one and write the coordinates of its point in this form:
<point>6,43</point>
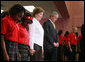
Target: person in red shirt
<point>79,38</point>
<point>66,47</point>
<point>23,42</point>
<point>72,43</point>
<point>78,44</point>
<point>3,14</point>
<point>9,33</point>
<point>60,37</point>
<point>60,55</point>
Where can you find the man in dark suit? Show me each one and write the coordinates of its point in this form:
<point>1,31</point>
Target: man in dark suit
<point>51,41</point>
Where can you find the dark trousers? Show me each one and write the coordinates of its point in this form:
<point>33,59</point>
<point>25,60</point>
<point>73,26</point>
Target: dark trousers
<point>37,55</point>
<point>73,53</point>
<point>82,48</point>
<point>60,53</point>
<point>50,55</point>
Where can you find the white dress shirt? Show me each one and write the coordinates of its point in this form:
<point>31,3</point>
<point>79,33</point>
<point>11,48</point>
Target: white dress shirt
<point>36,34</point>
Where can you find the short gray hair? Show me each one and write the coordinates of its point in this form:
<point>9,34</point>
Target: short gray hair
<point>54,13</point>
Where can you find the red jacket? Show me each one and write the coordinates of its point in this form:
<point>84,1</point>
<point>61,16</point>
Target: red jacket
<point>79,38</point>
<point>65,40</point>
<point>60,40</point>
<point>73,38</point>
<point>23,35</point>
<point>9,29</point>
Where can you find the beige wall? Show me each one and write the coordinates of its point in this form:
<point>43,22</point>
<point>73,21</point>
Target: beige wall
<point>76,13</point>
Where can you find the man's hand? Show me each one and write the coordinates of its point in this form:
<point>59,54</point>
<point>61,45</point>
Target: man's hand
<point>32,51</point>
<point>56,44</point>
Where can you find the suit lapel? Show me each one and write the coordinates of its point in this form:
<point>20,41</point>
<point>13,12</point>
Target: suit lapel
<point>52,25</point>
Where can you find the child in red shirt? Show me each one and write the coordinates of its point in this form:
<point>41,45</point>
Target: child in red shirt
<point>73,43</point>
<point>60,37</point>
<point>79,38</point>
<point>60,40</point>
<point>73,39</point>
<point>60,45</point>
<point>78,42</point>
<point>66,47</point>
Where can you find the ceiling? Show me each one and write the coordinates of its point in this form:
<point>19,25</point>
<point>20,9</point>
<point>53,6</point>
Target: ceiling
<point>48,6</point>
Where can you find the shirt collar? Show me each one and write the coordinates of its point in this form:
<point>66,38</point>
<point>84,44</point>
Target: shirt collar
<point>51,20</point>
<point>35,19</point>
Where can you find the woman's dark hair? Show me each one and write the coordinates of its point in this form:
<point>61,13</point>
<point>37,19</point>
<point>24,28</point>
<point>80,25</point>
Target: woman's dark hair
<point>3,14</point>
<point>60,32</point>
<point>16,9</point>
<point>66,33</point>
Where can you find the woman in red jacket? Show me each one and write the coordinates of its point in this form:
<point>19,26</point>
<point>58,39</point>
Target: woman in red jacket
<point>9,33</point>
<point>23,42</point>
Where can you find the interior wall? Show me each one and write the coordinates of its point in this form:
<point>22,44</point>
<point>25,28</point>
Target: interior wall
<point>76,16</point>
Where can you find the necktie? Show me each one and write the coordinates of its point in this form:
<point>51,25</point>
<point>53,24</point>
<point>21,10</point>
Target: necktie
<point>53,25</point>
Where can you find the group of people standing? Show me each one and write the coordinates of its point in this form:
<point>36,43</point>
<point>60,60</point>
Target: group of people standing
<point>23,38</point>
<point>70,45</point>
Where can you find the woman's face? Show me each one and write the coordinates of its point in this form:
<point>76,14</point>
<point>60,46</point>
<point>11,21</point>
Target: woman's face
<point>39,16</point>
<point>19,16</point>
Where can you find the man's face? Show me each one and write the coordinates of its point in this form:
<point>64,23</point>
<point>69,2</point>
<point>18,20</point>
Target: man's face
<point>54,18</point>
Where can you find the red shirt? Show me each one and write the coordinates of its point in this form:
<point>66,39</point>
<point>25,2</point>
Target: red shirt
<point>23,35</point>
<point>79,38</point>
<point>9,29</point>
<point>65,40</point>
<point>73,38</point>
<point>61,40</point>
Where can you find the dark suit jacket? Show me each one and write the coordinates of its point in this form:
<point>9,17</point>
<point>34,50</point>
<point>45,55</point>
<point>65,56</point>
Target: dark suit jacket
<point>50,34</point>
